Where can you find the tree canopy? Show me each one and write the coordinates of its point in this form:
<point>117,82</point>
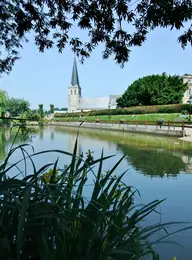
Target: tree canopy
<point>154,90</point>
<point>51,108</point>
<point>3,100</point>
<point>17,106</point>
<point>118,24</point>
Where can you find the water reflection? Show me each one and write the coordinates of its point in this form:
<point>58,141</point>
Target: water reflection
<point>150,155</point>
<point>6,139</point>
<point>9,136</point>
<point>41,134</point>
<point>155,157</point>
<point>153,162</point>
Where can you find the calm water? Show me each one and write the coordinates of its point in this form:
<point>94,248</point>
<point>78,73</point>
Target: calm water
<point>160,168</point>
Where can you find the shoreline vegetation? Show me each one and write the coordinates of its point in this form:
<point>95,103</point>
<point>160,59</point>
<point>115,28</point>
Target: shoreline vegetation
<point>141,117</point>
<point>182,109</point>
<point>47,213</point>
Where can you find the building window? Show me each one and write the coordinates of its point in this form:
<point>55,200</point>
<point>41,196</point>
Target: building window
<point>71,92</point>
<point>75,91</point>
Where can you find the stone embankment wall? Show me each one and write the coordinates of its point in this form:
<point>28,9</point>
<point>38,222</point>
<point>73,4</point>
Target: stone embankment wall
<point>164,130</point>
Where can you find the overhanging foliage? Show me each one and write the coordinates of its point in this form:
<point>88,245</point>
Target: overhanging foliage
<point>118,24</point>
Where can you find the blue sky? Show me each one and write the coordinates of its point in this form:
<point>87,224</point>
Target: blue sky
<point>45,77</point>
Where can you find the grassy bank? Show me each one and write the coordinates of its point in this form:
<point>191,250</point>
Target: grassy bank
<point>142,117</point>
<point>139,110</point>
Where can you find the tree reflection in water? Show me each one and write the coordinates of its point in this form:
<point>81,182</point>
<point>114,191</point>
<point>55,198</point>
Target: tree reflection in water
<point>8,136</point>
<point>153,156</point>
<point>156,162</point>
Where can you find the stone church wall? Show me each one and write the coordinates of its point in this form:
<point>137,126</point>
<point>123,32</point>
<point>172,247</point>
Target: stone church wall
<point>187,79</point>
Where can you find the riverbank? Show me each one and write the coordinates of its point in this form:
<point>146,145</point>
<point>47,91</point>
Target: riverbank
<point>141,117</point>
<point>149,129</point>
<point>186,139</point>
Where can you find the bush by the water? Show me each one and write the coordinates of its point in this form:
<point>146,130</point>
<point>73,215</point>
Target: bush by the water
<point>31,115</point>
<point>177,108</point>
<point>71,213</point>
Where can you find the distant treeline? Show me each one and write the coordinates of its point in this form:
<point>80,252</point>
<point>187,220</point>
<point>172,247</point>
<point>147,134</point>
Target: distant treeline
<point>60,109</point>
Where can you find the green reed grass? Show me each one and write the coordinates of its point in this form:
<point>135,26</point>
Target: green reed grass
<point>46,215</point>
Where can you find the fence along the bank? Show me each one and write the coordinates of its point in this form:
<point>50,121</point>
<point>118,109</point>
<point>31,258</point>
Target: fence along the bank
<point>136,123</point>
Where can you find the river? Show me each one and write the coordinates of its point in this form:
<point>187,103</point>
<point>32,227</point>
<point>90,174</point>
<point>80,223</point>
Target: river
<point>159,167</point>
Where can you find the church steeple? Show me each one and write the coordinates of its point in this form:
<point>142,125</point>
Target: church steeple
<point>74,91</point>
<point>75,78</point>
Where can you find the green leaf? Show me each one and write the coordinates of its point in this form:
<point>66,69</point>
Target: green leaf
<point>22,220</point>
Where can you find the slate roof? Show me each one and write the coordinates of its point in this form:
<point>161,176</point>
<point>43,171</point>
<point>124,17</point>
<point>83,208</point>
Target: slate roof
<point>93,103</point>
<point>75,77</point>
<point>112,99</point>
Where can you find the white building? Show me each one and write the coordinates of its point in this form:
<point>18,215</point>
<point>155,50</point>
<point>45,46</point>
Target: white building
<point>186,98</point>
<point>77,103</point>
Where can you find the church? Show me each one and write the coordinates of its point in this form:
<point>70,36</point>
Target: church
<point>77,103</point>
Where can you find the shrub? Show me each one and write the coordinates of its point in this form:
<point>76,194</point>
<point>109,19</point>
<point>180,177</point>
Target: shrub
<point>178,108</point>
<point>31,115</point>
<point>184,112</point>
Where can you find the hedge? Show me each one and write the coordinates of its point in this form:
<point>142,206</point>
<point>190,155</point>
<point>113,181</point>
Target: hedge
<point>178,108</point>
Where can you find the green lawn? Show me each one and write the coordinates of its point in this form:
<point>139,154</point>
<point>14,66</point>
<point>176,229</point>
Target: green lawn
<point>143,117</point>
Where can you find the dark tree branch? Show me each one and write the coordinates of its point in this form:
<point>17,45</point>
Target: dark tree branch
<point>106,21</point>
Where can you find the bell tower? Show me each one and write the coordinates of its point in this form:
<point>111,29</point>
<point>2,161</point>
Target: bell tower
<point>74,91</point>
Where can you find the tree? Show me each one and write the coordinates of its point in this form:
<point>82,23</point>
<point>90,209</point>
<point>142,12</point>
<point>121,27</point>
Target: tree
<point>41,111</point>
<point>3,100</point>
<point>154,90</point>
<point>17,106</point>
<point>51,108</point>
<point>104,21</point>
<point>32,115</point>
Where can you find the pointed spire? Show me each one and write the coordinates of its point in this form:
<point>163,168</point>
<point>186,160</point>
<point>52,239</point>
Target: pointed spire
<point>75,78</point>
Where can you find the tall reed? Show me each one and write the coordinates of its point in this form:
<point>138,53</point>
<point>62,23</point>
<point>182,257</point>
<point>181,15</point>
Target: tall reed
<point>46,214</point>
